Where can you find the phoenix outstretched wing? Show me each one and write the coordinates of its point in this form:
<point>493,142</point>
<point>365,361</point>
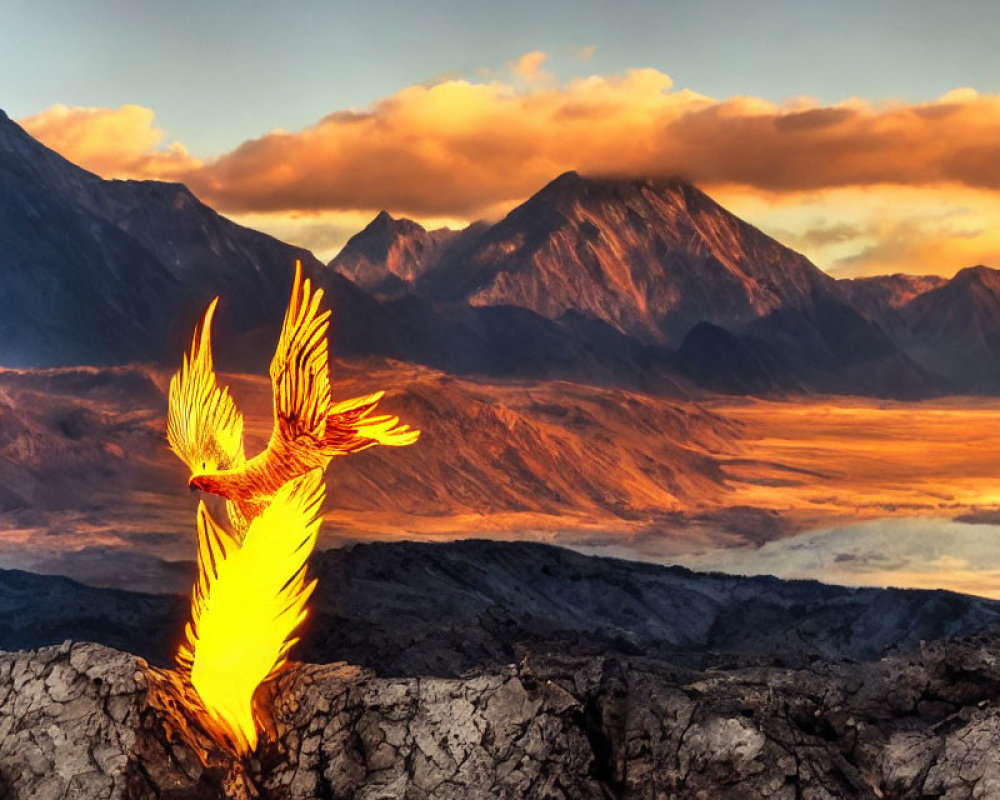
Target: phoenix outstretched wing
<point>247,604</point>
<point>300,369</point>
<point>304,412</point>
<point>204,428</point>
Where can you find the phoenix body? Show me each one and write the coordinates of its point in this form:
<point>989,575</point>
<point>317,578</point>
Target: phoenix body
<point>205,428</point>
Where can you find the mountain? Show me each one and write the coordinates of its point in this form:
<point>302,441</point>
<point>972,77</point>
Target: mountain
<point>955,329</point>
<point>108,272</point>
<point>879,298</point>
<point>650,258</point>
<point>648,284</point>
<point>99,271</point>
<point>389,255</point>
<point>662,265</point>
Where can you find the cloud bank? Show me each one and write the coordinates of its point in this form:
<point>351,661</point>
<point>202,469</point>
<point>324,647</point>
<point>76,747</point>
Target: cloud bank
<point>464,149</point>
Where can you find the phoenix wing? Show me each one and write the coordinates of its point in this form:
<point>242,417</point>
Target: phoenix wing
<point>300,375</point>
<point>204,427</point>
<point>300,369</point>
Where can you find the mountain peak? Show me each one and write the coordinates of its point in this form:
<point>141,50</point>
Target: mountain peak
<point>382,219</point>
<point>648,256</point>
<point>388,254</point>
<point>979,274</point>
<point>591,189</point>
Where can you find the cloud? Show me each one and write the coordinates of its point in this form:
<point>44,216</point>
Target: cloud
<point>872,230</point>
<point>458,148</point>
<point>113,142</point>
<point>529,66</point>
<point>461,149</point>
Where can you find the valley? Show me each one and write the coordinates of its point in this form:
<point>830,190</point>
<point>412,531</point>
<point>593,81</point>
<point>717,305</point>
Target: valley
<point>92,491</point>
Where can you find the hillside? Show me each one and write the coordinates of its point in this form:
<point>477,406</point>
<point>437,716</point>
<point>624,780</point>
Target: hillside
<point>410,608</point>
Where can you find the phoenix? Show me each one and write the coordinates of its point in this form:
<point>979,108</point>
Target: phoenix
<point>205,428</point>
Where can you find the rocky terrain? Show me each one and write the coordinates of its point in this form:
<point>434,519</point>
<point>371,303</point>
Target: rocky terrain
<point>85,471</point>
<point>84,721</point>
<point>406,608</point>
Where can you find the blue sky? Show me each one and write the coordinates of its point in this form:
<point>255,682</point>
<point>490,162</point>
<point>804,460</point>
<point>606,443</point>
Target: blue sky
<point>217,73</point>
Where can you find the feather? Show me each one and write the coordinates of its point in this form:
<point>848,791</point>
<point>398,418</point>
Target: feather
<point>246,605</point>
<point>300,369</point>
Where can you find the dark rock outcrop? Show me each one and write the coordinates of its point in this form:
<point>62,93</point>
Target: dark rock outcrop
<point>411,608</point>
<point>83,721</point>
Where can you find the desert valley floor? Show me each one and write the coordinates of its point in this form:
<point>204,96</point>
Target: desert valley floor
<point>720,482</point>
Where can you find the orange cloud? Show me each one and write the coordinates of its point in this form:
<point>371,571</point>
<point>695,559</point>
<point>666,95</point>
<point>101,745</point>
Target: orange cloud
<point>461,149</point>
<point>113,142</point>
<point>529,66</point>
<point>874,230</point>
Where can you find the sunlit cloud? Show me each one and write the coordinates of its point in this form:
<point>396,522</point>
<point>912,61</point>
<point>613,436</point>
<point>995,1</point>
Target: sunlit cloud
<point>529,67</point>
<point>859,187</point>
<point>113,142</point>
<point>877,230</point>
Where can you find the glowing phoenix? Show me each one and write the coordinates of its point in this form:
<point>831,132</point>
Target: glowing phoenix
<point>205,429</point>
<point>249,599</point>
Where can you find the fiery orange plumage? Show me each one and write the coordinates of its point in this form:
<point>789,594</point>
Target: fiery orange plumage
<point>252,590</point>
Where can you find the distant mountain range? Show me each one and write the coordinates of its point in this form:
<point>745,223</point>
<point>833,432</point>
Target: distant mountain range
<point>646,283</point>
<point>709,296</point>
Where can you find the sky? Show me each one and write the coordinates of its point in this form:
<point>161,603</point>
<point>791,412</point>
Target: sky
<point>865,134</point>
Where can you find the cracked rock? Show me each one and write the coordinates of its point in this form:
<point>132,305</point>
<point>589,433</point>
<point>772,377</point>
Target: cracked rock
<point>86,721</point>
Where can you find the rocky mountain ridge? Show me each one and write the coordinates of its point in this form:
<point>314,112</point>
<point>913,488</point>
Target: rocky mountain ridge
<point>649,258</point>
<point>662,264</point>
<point>442,609</point>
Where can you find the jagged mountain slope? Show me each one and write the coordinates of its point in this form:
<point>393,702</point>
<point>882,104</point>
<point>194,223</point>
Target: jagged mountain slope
<point>101,271</point>
<point>955,329</point>
<point>108,272</point>
<point>387,256</point>
<point>654,261</point>
<point>650,258</point>
<point>879,297</point>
